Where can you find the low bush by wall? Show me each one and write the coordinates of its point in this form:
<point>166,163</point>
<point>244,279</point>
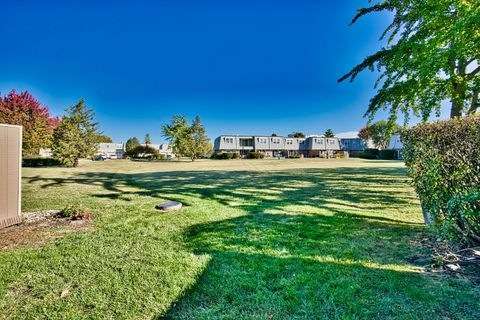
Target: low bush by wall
<point>369,154</point>
<point>387,154</point>
<point>443,159</point>
<point>255,155</point>
<point>227,155</point>
<point>41,162</point>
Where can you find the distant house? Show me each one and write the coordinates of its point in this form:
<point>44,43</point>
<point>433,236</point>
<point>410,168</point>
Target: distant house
<point>162,148</point>
<point>276,146</point>
<point>352,143</point>
<point>397,145</point>
<point>111,150</point>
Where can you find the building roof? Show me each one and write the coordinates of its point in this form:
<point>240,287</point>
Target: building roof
<point>347,135</point>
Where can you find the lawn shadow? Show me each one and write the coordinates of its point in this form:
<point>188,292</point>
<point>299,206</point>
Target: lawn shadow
<point>312,267</point>
<point>290,244</point>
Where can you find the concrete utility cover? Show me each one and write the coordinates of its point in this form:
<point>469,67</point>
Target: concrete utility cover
<point>169,206</point>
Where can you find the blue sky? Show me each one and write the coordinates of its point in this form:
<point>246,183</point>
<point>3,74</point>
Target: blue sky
<point>244,66</point>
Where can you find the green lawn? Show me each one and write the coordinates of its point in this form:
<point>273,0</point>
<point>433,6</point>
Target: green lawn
<point>258,239</point>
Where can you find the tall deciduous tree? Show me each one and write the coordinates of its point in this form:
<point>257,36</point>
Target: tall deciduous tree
<point>24,110</point>
<point>131,144</point>
<point>75,136</point>
<point>380,133</point>
<point>432,55</point>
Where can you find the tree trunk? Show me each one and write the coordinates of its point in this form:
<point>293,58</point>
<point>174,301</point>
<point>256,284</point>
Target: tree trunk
<point>456,110</point>
<point>427,217</point>
<point>459,89</point>
<point>475,103</point>
<point>75,163</point>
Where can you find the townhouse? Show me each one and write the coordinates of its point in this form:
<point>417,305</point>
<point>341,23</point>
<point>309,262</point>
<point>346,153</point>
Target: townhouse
<point>277,146</point>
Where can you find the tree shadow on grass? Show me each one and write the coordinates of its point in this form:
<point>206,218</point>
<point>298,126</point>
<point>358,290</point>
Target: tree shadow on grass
<point>311,243</point>
<point>313,267</point>
<point>365,190</point>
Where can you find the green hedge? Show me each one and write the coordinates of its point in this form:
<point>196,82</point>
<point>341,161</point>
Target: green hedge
<point>226,155</point>
<point>40,162</point>
<point>369,154</point>
<point>387,154</point>
<point>443,159</point>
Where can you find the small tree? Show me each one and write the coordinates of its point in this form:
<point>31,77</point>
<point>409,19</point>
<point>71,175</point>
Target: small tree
<point>175,133</point>
<point>147,139</point>
<point>74,137</point>
<point>274,135</point>
<point>296,135</point>
<point>380,133</point>
<point>329,133</point>
<point>196,144</point>
<point>189,141</point>
<point>131,144</point>
<point>24,110</point>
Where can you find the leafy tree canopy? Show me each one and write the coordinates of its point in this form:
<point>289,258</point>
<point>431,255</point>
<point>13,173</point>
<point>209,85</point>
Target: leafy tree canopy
<point>24,110</point>
<point>101,138</point>
<point>147,139</point>
<point>189,141</point>
<point>131,144</point>
<point>174,133</point>
<point>380,133</point>
<point>431,55</point>
<point>75,136</point>
<point>329,133</point>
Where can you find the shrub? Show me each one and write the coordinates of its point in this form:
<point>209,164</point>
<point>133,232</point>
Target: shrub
<point>159,156</point>
<point>142,152</point>
<point>387,154</point>
<point>40,162</point>
<point>369,154</point>
<point>74,213</point>
<point>443,159</point>
<point>255,155</point>
<point>227,155</point>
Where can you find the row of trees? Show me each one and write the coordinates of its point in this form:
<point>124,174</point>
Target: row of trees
<point>73,136</point>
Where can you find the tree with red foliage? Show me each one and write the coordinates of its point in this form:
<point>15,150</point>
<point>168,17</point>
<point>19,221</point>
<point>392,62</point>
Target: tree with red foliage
<point>24,110</point>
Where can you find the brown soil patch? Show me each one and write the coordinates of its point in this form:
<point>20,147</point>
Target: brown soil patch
<point>37,228</point>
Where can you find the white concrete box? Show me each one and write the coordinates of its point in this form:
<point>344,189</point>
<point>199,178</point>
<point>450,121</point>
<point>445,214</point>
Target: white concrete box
<point>10,174</point>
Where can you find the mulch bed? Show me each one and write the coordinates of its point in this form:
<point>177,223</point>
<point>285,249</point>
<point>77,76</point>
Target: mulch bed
<point>39,227</point>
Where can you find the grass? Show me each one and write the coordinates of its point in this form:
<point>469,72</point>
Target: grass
<point>257,239</point>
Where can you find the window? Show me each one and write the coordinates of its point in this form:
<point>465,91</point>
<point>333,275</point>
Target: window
<point>319,141</point>
<point>289,141</point>
<point>228,140</point>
